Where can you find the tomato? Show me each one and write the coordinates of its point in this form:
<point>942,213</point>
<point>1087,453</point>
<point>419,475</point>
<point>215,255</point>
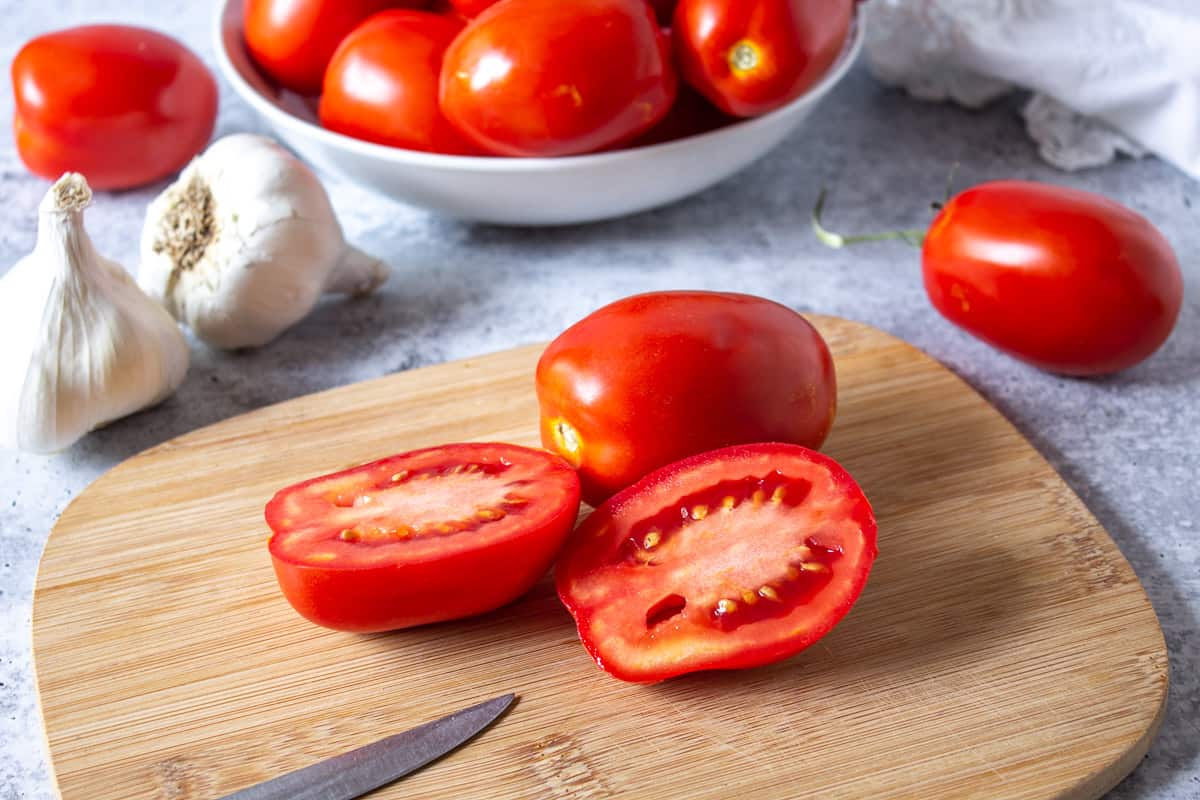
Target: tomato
<point>729,559</point>
<point>293,40</point>
<point>124,106</point>
<point>1069,281</point>
<point>551,78</point>
<point>382,83</point>
<point>420,537</point>
<point>472,8</point>
<point>664,10</point>
<point>749,58</point>
<point>691,114</point>
<point>653,378</point>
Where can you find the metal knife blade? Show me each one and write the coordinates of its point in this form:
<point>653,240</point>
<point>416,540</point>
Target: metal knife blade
<point>353,774</point>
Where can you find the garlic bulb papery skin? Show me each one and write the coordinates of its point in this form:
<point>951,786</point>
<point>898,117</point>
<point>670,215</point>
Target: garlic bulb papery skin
<point>83,345</point>
<point>244,243</point>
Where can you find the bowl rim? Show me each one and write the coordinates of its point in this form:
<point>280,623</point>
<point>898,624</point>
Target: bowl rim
<point>401,156</point>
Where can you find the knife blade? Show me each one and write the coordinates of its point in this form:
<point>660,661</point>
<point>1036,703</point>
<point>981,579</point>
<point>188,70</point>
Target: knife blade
<point>354,773</point>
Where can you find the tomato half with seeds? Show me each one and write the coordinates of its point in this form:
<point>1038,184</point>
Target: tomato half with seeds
<point>657,377</point>
<point>751,58</point>
<point>730,559</point>
<point>421,537</point>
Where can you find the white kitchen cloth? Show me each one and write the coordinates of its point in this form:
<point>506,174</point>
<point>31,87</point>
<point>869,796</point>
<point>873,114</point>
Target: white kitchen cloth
<point>1108,76</point>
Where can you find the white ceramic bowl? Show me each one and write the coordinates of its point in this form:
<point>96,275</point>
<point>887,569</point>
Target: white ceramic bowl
<point>519,191</point>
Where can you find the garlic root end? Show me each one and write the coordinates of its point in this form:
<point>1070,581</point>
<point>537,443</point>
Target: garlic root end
<point>69,193</point>
<point>356,273</point>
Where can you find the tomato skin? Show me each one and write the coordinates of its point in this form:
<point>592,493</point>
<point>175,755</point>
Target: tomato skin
<point>122,105</point>
<point>750,581</point>
<point>690,115</point>
<point>548,78</point>
<point>293,40</point>
<point>653,378</point>
<point>401,51</point>
<point>444,565</point>
<point>472,8</point>
<point>787,46</point>
<point>1066,280</point>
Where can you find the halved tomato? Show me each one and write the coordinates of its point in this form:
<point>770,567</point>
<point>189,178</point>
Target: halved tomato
<point>420,537</point>
<point>729,559</point>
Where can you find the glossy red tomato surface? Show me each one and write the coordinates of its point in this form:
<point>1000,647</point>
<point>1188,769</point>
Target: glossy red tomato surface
<point>728,559</point>
<point>690,114</point>
<point>293,40</point>
<point>553,78</point>
<point>654,378</point>
<point>472,8</point>
<point>749,58</point>
<point>1066,280</point>
<point>419,537</point>
<point>382,83</point>
<point>124,106</point>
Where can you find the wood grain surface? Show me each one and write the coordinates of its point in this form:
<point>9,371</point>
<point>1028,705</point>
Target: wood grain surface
<point>1003,648</point>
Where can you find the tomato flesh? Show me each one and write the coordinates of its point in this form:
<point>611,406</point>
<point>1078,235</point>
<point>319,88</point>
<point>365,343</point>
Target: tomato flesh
<point>1066,280</point>
<point>419,537</point>
<point>734,558</point>
<point>122,105</point>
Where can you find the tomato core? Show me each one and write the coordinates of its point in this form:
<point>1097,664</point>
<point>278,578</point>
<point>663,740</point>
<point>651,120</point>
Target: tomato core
<point>744,57</point>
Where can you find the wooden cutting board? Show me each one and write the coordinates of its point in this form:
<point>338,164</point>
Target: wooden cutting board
<point>1003,648</point>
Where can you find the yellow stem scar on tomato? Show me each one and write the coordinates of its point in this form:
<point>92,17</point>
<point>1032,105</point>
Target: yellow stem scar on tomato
<point>566,441</point>
<point>744,58</point>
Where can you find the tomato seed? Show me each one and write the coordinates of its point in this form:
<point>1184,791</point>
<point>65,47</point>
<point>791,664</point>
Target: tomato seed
<point>726,606</point>
<point>652,539</point>
<point>768,592</point>
<point>699,512</point>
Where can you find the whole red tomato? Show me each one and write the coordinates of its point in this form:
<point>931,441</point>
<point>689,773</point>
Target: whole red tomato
<point>654,378</point>
<point>1069,281</point>
<point>749,58</point>
<point>382,83</point>
<point>554,78</point>
<point>122,105</point>
<point>293,40</point>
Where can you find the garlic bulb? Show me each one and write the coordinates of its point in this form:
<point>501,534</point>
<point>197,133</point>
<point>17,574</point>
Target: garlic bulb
<point>242,245</point>
<point>83,345</point>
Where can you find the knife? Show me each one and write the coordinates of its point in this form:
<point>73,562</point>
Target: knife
<point>353,774</point>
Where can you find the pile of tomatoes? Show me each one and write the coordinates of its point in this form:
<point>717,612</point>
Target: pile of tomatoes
<point>542,77</point>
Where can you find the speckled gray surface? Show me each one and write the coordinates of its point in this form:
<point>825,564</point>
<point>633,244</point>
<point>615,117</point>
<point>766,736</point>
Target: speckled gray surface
<point>1129,445</point>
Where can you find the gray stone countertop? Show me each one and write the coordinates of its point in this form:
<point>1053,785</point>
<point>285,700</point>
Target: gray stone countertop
<point>1129,444</point>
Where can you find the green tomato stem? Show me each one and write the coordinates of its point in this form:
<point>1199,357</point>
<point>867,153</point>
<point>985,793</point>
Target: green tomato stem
<point>912,236</point>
